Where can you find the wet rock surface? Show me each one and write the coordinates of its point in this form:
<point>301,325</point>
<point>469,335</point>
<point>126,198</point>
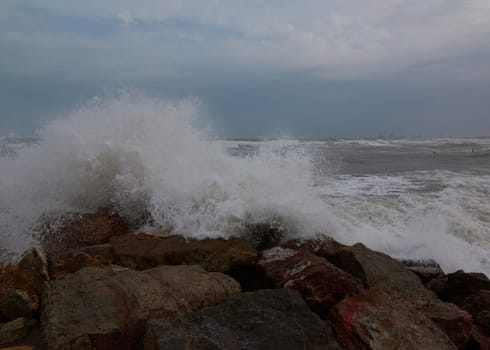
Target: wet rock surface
<point>266,319</point>
<point>102,309</point>
<point>142,251</point>
<point>427,270</point>
<point>84,230</point>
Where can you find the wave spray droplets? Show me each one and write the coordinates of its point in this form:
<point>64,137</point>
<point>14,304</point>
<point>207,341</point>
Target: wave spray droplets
<point>144,157</point>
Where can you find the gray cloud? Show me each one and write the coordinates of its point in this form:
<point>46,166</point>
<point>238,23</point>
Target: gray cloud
<point>337,61</point>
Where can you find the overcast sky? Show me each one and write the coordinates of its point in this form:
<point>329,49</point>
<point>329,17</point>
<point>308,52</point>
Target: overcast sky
<point>311,68</point>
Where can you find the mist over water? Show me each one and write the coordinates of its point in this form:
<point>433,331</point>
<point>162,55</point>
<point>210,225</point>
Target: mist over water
<point>147,158</point>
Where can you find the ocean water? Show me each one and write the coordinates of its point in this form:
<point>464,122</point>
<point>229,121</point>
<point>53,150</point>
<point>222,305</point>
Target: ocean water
<point>148,158</point>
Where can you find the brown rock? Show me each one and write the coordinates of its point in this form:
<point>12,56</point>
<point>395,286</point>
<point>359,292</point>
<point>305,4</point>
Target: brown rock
<point>84,230</point>
<point>470,291</point>
<point>75,261</point>
<point>15,303</point>
<point>378,270</point>
<point>459,283</point>
<point>18,296</point>
<point>34,264</point>
<point>320,283</point>
<point>144,251</point>
<point>15,330</point>
<point>19,348</point>
<point>22,283</point>
<point>102,309</point>
<point>377,319</point>
<point>454,322</point>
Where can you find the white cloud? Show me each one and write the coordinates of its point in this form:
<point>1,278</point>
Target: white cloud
<point>336,37</point>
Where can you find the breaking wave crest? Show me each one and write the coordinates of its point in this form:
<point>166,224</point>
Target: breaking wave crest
<point>146,158</point>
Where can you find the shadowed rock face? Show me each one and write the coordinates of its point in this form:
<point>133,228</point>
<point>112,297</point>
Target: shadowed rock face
<point>102,309</point>
<point>21,284</point>
<point>143,251</point>
<point>377,319</point>
<point>320,283</point>
<point>470,291</point>
<point>266,319</point>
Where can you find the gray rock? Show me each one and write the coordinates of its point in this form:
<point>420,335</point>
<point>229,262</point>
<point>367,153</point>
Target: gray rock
<point>427,270</point>
<point>378,270</point>
<point>265,319</point>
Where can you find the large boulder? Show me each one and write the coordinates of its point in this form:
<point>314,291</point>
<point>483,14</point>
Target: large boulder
<point>470,291</point>
<point>142,251</point>
<point>84,230</point>
<point>320,283</point>
<point>101,309</point>
<point>266,319</point>
<point>378,270</point>
<point>378,319</point>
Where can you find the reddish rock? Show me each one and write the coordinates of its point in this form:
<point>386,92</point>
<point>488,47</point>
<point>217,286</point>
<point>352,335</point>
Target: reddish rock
<point>378,270</point>
<point>454,322</point>
<point>75,261</point>
<point>320,283</point>
<point>144,251</point>
<point>101,309</point>
<point>84,230</point>
<point>377,319</point>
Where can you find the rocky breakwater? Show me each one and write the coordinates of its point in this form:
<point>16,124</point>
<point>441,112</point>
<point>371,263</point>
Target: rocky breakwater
<point>102,287</point>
